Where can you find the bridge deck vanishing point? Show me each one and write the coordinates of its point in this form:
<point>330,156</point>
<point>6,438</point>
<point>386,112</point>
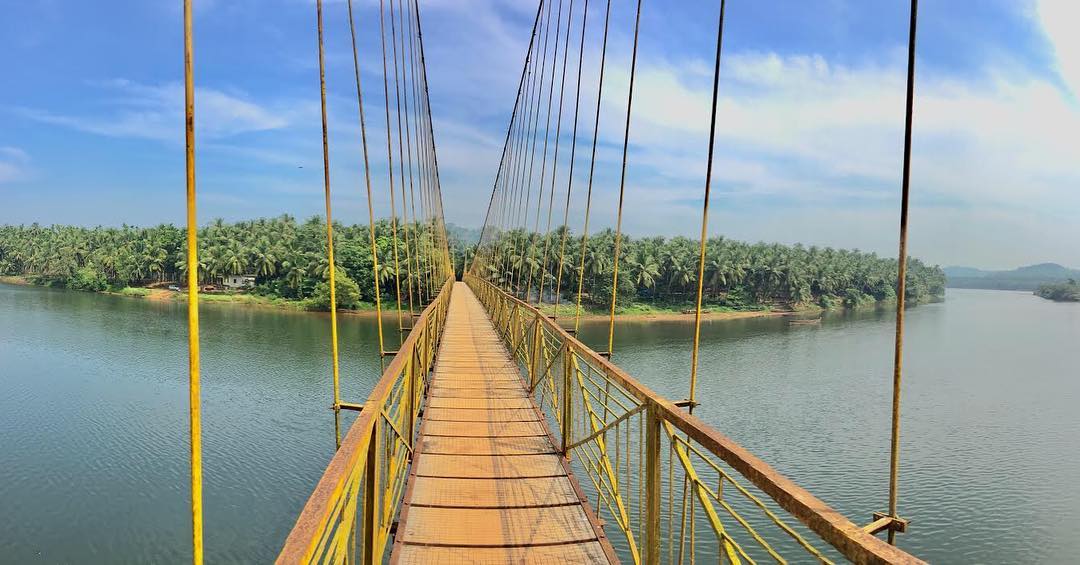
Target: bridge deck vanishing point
<point>487,483</point>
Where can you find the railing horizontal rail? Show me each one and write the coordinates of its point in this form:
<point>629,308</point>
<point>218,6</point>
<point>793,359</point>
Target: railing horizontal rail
<point>367,473</point>
<point>602,424</point>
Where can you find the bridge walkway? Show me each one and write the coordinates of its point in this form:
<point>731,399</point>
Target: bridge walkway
<point>487,484</point>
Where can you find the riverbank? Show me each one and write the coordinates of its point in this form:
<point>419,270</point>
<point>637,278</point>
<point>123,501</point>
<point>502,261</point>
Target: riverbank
<point>240,299</point>
<point>637,311</point>
<point>641,312</point>
<point>1060,292</point>
<point>649,312</point>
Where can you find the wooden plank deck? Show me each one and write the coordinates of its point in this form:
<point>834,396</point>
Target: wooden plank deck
<point>487,485</point>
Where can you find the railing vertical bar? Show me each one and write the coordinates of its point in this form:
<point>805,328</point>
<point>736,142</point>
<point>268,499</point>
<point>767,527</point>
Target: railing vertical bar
<point>568,370</point>
<point>371,494</point>
<point>652,486</point>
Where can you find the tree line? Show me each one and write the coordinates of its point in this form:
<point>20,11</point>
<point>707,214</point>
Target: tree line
<point>1068,291</point>
<point>737,274</point>
<point>288,258</point>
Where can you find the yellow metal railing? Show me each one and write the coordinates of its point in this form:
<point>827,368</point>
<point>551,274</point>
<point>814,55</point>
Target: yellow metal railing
<point>348,517</point>
<point>673,488</point>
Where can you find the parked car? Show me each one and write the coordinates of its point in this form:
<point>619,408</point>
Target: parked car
<point>174,287</point>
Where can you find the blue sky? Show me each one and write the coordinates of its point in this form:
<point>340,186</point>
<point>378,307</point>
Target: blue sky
<point>810,121</point>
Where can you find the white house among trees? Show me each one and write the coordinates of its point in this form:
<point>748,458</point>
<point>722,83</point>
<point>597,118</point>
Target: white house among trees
<point>239,281</point>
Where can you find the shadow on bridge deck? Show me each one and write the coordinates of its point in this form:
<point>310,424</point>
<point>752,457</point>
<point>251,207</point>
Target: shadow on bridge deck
<point>487,483</point>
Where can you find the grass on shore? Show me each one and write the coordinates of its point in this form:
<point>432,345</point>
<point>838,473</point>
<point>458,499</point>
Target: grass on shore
<point>231,298</point>
<point>646,309</point>
<point>245,299</point>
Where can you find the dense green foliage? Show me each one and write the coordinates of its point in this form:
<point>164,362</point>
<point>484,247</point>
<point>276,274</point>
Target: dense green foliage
<point>288,258</point>
<point>1068,291</point>
<point>737,274</point>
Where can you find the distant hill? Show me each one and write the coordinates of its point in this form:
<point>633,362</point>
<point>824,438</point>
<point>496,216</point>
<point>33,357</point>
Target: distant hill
<point>1023,278</point>
<point>467,236</point>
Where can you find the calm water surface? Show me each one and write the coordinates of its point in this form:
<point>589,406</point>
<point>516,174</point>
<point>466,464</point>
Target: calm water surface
<point>93,420</point>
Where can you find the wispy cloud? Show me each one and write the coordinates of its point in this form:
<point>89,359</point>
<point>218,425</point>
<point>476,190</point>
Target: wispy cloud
<point>784,119</point>
<point>136,110</point>
<point>14,163</point>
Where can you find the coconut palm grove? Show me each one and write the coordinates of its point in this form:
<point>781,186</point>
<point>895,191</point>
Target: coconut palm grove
<point>289,261</point>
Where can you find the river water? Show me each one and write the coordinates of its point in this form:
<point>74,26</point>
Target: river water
<point>93,419</point>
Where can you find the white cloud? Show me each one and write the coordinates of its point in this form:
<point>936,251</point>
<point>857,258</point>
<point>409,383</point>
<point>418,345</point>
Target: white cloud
<point>1058,20</point>
<point>156,112</point>
<point>13,164</point>
<point>799,132</point>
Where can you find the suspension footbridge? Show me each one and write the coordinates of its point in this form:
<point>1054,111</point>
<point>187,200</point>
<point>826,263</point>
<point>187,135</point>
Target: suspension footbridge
<point>495,435</point>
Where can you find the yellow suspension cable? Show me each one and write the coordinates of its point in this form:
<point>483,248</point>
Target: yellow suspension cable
<point>329,219</point>
<point>901,283</point>
<point>515,187</point>
<point>408,151</point>
<point>555,162</point>
<point>705,213</point>
<point>483,258</point>
<point>622,185</point>
<point>512,186</point>
<point>390,167</point>
<point>573,155</point>
<point>401,166</point>
<point>437,188</point>
<point>518,272</point>
<point>516,179</point>
<point>423,158</point>
<point>592,171</point>
<point>421,172</point>
<point>367,181</point>
<point>543,162</point>
<point>195,410</point>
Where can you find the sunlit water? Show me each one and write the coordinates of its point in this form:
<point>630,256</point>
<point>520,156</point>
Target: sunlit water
<point>93,420</point>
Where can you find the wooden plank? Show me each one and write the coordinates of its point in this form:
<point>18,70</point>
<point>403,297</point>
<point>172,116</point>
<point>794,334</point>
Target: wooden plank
<point>450,386</point>
<point>504,527</point>
<point>473,392</point>
<point>573,553</point>
<point>520,466</point>
<point>487,485</point>
<point>485,429</point>
<point>484,403</point>
<point>497,446</point>
<point>480,415</point>
<point>493,493</point>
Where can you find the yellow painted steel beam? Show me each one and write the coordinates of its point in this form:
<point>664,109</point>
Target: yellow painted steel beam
<point>195,409</point>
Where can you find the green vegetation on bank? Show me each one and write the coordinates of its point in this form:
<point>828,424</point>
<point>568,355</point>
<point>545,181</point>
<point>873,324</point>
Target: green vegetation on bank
<point>659,274</point>
<point>1068,291</point>
<point>287,258</point>
<point>288,261</point>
